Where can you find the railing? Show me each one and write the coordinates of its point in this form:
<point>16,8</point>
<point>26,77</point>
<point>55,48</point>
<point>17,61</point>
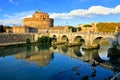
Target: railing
<point>97,33</point>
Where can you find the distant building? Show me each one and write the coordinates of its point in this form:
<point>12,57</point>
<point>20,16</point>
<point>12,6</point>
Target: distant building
<point>9,30</point>
<point>20,29</point>
<point>93,27</point>
<point>39,20</point>
<point>24,29</point>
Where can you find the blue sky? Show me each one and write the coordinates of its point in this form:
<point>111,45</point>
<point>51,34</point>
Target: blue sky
<point>73,12</point>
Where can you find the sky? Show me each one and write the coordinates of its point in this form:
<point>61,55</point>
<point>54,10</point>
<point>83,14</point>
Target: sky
<point>64,12</point>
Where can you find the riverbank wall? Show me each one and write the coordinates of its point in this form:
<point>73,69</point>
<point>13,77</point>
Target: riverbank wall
<point>11,38</point>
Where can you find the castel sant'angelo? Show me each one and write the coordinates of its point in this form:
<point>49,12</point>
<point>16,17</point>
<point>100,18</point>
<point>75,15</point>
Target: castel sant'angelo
<point>40,22</point>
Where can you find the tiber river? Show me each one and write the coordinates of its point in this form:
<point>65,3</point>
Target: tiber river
<point>55,63</point>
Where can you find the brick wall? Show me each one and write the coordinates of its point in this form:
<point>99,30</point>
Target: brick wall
<point>12,38</point>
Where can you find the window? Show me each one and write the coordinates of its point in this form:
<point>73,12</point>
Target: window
<point>44,18</point>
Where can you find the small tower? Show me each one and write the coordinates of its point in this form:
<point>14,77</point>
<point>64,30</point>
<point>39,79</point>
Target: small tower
<point>116,29</point>
<point>94,26</point>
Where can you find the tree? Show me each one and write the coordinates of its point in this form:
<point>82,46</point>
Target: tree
<point>27,41</point>
<point>73,28</point>
<point>108,27</point>
<point>1,28</point>
<point>44,39</point>
<point>113,52</point>
<point>87,25</point>
<point>79,28</point>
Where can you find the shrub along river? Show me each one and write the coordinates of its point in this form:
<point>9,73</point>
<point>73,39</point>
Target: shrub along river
<point>56,62</point>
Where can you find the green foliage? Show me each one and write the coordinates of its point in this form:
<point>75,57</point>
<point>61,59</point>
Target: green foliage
<point>79,28</point>
<point>87,25</point>
<point>3,28</point>
<point>73,28</point>
<point>27,41</point>
<point>44,39</point>
<point>114,52</point>
<point>43,46</point>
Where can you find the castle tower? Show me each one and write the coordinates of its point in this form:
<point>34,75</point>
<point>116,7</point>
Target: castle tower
<point>39,20</point>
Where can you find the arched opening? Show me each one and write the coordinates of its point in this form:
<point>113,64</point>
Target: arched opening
<point>97,40</point>
<point>102,41</point>
<point>105,41</point>
<point>79,39</point>
<point>64,38</point>
<point>54,38</point>
<point>105,44</point>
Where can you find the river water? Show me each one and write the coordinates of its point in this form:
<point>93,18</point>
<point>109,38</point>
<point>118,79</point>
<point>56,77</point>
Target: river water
<point>58,62</point>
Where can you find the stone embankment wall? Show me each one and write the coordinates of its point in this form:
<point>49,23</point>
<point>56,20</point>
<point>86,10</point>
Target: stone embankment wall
<point>14,38</point>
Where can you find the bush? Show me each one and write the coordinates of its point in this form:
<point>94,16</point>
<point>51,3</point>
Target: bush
<point>114,52</point>
<point>44,39</point>
<point>27,41</point>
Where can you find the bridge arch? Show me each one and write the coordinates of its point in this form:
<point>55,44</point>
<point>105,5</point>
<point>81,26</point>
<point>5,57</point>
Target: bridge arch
<point>64,38</point>
<point>103,40</point>
<point>97,40</point>
<point>54,38</point>
<point>78,39</point>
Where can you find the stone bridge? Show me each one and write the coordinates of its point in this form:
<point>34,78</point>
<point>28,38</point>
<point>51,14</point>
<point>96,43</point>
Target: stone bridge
<point>89,38</point>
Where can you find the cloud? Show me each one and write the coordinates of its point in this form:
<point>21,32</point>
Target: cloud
<point>15,19</point>
<point>90,12</point>
<point>13,2</point>
<point>20,15</point>
<point>10,22</point>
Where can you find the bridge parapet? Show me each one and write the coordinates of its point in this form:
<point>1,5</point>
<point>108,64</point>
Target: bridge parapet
<point>107,33</point>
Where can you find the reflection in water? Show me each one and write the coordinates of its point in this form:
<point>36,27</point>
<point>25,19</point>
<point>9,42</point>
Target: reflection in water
<point>93,69</point>
<point>89,55</point>
<point>104,45</point>
<point>92,57</point>
<point>11,51</point>
<point>54,46</point>
<point>79,64</point>
<point>64,48</point>
<point>40,57</point>
<point>77,51</point>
